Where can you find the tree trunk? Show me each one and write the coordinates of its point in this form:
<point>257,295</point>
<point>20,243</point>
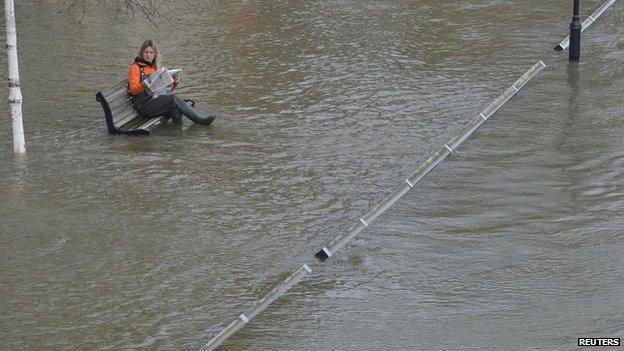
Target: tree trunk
<point>15,94</point>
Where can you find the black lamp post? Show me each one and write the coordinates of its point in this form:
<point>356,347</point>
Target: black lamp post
<point>575,34</point>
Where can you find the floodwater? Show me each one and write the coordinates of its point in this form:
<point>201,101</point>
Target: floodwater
<point>513,243</point>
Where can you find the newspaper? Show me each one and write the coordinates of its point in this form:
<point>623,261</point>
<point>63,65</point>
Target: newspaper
<point>160,82</point>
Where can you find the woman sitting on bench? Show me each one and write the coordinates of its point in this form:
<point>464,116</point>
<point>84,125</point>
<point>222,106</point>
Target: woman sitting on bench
<point>169,105</point>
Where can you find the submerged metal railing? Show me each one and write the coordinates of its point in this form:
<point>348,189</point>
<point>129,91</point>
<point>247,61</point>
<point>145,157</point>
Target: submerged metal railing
<point>260,306</point>
<point>429,164</point>
<point>405,186</point>
<point>586,23</point>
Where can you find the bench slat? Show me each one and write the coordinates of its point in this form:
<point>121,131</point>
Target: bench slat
<point>123,118</point>
<point>120,98</point>
<point>134,123</point>
<point>152,123</point>
<point>121,85</point>
<point>147,124</point>
<point>122,107</point>
<point>118,90</point>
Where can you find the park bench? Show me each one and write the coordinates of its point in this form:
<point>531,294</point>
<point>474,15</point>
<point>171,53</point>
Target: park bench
<point>121,117</point>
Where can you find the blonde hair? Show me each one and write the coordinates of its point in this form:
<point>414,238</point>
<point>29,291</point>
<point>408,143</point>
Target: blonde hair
<point>147,44</point>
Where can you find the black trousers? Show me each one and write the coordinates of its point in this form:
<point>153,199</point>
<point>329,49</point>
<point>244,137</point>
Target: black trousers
<point>171,106</point>
<point>162,105</point>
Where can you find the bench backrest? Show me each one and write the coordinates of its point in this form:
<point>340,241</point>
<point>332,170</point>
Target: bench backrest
<point>117,105</point>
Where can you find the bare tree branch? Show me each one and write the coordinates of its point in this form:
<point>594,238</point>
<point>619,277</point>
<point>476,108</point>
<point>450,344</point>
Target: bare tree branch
<point>150,9</point>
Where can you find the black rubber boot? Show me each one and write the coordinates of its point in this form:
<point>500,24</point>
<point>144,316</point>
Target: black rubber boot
<point>176,117</point>
<point>189,112</point>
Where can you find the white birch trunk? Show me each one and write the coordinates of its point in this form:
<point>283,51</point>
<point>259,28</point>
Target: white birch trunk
<point>15,93</point>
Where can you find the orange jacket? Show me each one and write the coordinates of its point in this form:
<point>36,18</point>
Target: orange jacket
<point>135,80</point>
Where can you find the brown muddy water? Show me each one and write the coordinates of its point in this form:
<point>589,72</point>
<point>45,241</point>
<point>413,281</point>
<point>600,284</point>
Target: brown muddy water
<point>157,243</point>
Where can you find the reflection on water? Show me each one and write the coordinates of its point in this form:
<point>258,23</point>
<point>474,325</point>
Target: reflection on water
<point>159,242</point>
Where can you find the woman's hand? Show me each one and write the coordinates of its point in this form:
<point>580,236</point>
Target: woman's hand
<point>176,81</point>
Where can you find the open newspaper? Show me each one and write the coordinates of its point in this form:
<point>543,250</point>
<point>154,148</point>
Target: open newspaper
<point>160,82</point>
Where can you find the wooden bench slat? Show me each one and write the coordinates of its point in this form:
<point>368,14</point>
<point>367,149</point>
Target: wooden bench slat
<point>123,113</point>
<point>134,123</point>
<point>121,94</point>
<point>152,123</point>
<point>122,104</point>
<point>119,99</point>
<point>122,107</point>
<point>122,119</point>
<point>121,85</point>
